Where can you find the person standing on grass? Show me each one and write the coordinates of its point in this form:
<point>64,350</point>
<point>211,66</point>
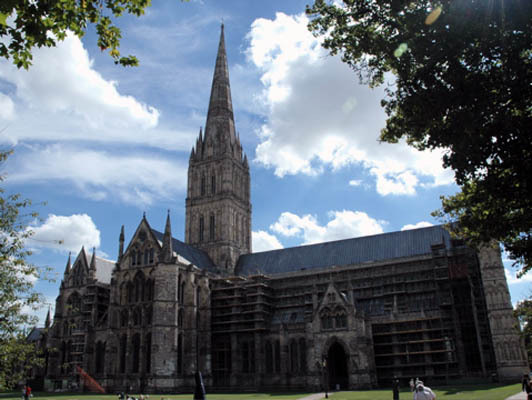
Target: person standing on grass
<point>395,388</point>
<point>423,393</point>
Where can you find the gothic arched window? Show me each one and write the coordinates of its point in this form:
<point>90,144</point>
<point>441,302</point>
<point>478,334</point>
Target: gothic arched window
<point>123,345</point>
<point>139,287</point>
<point>202,187</point>
<point>248,356</point>
<point>147,315</point>
<point>302,355</point>
<point>277,356</point>
<point>136,352</point>
<point>180,353</point>
<point>100,357</point>
<point>201,228</point>
<point>74,304</point>
<point>130,292</point>
<point>213,184</point>
<point>269,357</point>
<point>181,284</point>
<point>211,227</point>
<point>294,358</point>
<point>148,353</point>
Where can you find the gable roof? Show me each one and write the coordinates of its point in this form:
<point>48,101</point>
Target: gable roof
<point>197,257</point>
<point>104,269</point>
<point>374,248</point>
<point>35,334</point>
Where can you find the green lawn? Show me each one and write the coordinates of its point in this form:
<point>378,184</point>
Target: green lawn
<point>458,392</point>
<point>215,396</point>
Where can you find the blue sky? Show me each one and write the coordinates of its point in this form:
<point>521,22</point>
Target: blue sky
<point>101,144</point>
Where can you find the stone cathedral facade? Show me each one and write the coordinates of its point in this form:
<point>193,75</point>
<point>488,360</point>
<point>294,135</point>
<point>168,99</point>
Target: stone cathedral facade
<point>346,314</point>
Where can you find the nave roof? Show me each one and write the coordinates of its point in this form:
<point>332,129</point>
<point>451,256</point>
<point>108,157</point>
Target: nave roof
<point>353,251</point>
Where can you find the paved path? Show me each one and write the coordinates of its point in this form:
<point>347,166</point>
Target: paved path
<point>518,396</point>
<point>317,396</point>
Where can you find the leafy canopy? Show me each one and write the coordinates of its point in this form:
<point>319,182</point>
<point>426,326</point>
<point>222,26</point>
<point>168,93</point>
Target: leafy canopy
<point>462,72</point>
<point>523,312</point>
<point>17,294</point>
<point>28,24</point>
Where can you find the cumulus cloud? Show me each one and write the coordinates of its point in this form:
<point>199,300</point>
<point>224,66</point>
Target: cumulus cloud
<point>63,97</point>
<point>263,241</point>
<point>342,225</point>
<point>421,224</point>
<point>511,273</point>
<point>319,116</point>
<point>137,179</point>
<point>66,233</point>
<point>7,108</point>
<point>62,79</point>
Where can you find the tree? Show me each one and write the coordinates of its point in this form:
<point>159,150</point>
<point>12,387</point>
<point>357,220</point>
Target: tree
<point>523,312</point>
<point>28,24</point>
<point>17,294</point>
<point>462,73</point>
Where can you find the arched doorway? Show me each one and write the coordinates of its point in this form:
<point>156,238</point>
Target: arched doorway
<point>337,367</point>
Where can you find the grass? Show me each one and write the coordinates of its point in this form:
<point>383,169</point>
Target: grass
<point>213,396</point>
<point>452,392</point>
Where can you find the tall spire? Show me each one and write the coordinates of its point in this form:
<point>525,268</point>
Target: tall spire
<point>220,122</point>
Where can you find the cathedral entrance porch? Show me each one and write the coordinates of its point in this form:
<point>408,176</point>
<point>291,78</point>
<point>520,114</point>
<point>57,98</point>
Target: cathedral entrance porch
<point>337,361</point>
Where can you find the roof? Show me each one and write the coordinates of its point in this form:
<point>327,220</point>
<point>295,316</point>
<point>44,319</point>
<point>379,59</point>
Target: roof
<point>196,256</point>
<point>35,334</point>
<point>104,269</point>
<point>360,250</point>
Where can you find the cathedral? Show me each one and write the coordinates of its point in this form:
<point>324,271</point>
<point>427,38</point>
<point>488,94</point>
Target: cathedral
<point>347,314</point>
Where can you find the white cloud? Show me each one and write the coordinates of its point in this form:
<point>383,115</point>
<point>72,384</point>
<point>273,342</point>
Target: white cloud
<point>66,233</point>
<point>421,224</point>
<point>342,225</point>
<point>137,179</point>
<point>63,97</point>
<point>511,276</point>
<point>7,108</point>
<point>62,79</point>
<point>318,116</point>
<point>355,182</point>
<point>263,241</point>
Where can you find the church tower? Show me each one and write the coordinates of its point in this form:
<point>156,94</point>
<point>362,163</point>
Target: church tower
<point>218,207</point>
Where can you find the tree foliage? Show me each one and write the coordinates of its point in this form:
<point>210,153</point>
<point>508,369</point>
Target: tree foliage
<point>28,24</point>
<point>523,312</point>
<point>17,294</point>
<point>462,71</point>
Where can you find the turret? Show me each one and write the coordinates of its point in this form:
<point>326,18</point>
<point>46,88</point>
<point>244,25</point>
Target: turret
<point>47,320</point>
<point>92,267</point>
<point>167,252</point>
<point>121,244</point>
